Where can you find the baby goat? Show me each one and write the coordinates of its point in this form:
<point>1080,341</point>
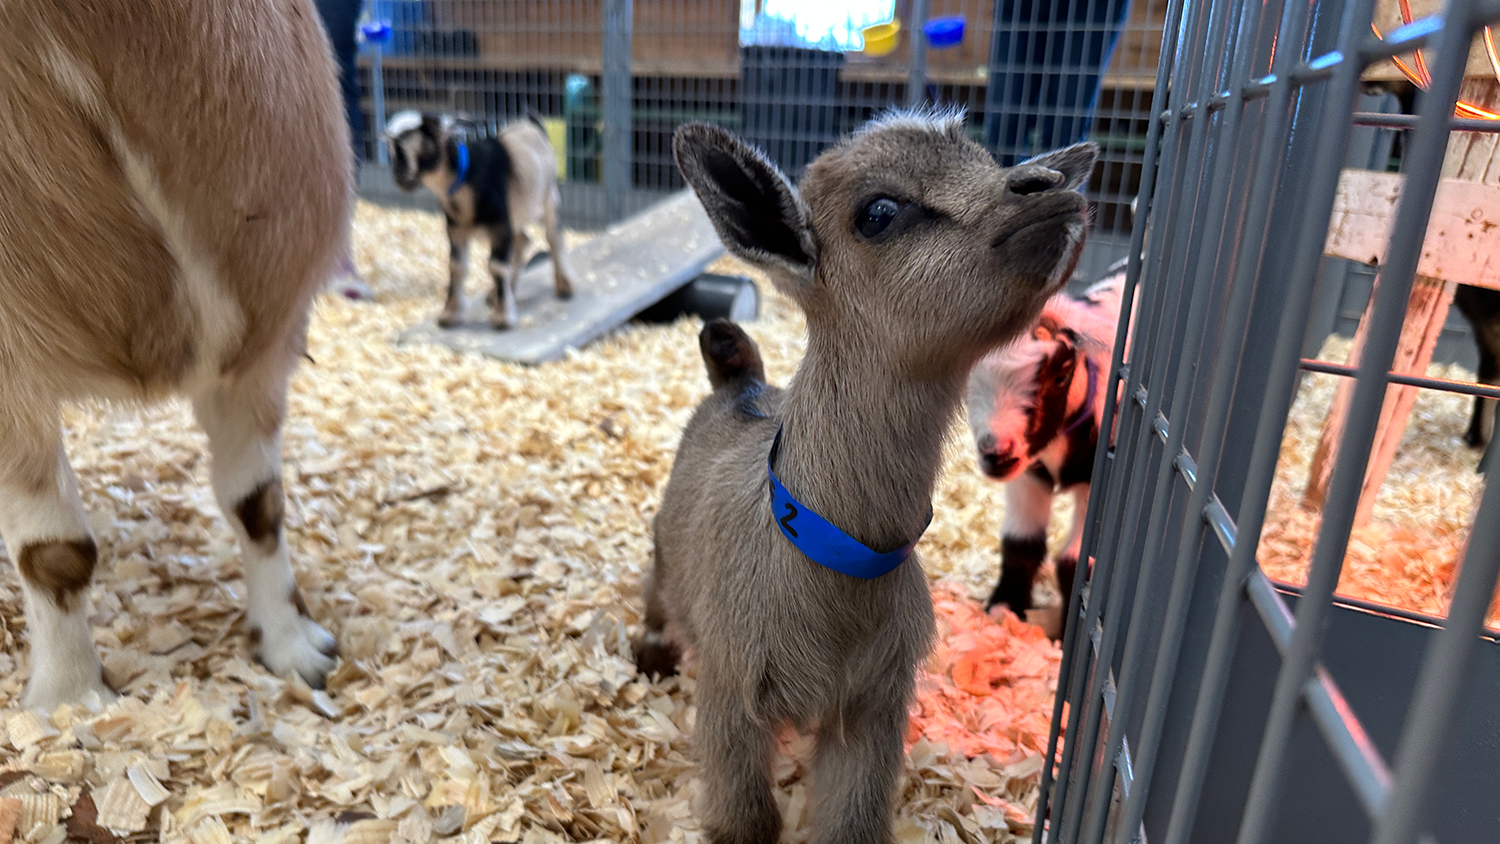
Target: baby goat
<point>177,185</point>
<point>1034,406</point>
<point>499,185</point>
<point>912,253</point>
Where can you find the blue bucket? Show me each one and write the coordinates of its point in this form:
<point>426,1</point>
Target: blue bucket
<point>944,32</point>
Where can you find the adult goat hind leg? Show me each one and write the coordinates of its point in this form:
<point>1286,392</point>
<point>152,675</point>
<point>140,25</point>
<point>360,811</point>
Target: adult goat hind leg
<point>1482,422</point>
<point>734,747</point>
<point>42,523</point>
<point>242,417</point>
<point>856,764</point>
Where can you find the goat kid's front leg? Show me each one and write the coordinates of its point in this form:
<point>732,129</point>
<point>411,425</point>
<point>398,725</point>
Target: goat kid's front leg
<point>42,523</point>
<point>458,268</point>
<point>1023,541</point>
<point>562,272</point>
<point>734,749</point>
<point>856,766</point>
<point>242,418</point>
<point>505,268</point>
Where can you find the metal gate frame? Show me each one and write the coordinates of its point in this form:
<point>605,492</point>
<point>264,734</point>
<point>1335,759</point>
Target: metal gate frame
<point>1240,179</point>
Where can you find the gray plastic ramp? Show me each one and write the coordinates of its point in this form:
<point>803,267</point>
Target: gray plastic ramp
<point>627,267</point>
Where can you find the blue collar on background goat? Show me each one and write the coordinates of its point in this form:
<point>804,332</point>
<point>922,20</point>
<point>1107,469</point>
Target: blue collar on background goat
<point>1086,412</point>
<point>460,166</point>
<point>823,543</point>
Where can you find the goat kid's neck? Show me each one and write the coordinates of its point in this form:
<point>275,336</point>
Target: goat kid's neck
<point>862,446</point>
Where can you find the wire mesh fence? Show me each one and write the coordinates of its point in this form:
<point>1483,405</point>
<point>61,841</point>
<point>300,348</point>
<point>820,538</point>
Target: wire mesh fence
<point>793,77</point>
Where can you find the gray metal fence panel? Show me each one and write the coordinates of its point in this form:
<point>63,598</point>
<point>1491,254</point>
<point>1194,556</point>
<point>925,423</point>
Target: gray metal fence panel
<point>1205,704</point>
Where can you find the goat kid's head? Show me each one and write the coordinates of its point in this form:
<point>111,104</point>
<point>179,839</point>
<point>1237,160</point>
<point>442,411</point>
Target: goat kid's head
<point>1021,397</point>
<point>907,235</point>
<point>418,143</point>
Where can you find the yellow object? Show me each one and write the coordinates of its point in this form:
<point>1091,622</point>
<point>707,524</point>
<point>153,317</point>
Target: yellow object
<point>881,39</point>
<point>557,133</point>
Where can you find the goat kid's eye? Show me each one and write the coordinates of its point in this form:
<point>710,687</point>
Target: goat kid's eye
<point>876,217</point>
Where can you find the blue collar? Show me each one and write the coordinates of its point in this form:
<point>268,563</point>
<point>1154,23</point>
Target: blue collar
<point>461,154</point>
<point>823,543</point>
<point>1087,411</point>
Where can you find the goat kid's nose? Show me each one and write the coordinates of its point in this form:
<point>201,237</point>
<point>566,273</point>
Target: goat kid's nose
<point>987,444</point>
<point>997,465</point>
<point>1024,181</point>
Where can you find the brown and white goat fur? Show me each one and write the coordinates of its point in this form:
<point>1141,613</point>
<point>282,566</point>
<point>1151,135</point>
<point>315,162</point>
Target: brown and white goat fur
<point>912,253</point>
<point>176,185</point>
<point>1034,406</point>
<point>508,184</point>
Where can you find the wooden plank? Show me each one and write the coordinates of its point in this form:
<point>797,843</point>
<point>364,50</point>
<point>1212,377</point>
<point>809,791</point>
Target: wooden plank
<point>624,269</point>
<point>1463,233</point>
<point>1426,312</point>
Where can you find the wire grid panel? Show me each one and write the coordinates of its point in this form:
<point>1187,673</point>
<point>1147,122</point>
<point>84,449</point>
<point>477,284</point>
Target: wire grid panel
<point>1204,703</point>
<point>781,74</point>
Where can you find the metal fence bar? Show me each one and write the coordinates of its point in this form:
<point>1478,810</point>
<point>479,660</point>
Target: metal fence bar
<point>1137,447</point>
<point>1441,384</point>
<point>1075,654</point>
<point>1130,673</point>
<point>616,87</point>
<point>1426,159</point>
<point>1271,420</point>
<point>1174,621</point>
<point>916,72</point>
<point>1132,434</point>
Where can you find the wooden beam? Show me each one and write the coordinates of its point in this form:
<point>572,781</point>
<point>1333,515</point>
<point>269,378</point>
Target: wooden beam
<point>1463,233</point>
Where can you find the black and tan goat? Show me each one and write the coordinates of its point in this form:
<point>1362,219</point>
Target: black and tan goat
<point>782,543</point>
<point>496,185</point>
<point>176,186</point>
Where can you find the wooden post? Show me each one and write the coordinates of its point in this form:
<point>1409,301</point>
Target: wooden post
<point>1426,312</point>
<point>1462,246</point>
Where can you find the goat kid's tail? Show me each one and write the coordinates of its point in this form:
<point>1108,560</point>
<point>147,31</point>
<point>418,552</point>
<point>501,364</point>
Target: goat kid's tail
<point>729,354</point>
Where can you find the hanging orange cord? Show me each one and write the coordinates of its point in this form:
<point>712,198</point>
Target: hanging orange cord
<point>1420,77</point>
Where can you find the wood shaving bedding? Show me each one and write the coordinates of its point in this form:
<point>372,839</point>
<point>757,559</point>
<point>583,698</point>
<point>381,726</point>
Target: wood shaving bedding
<point>474,533</point>
<point>1407,556</point>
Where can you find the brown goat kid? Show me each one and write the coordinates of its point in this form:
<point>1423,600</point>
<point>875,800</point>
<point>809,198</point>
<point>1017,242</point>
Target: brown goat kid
<point>912,254</point>
<point>176,184</point>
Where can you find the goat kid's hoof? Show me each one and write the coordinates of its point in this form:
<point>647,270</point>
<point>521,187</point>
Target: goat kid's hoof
<point>298,646</point>
<point>655,656</point>
<point>448,319</point>
<point>501,321</point>
<point>564,290</point>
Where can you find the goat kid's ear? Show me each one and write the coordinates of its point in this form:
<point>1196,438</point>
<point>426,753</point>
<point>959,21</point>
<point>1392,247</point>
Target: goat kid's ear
<point>754,208</point>
<point>1075,162</point>
<point>432,125</point>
